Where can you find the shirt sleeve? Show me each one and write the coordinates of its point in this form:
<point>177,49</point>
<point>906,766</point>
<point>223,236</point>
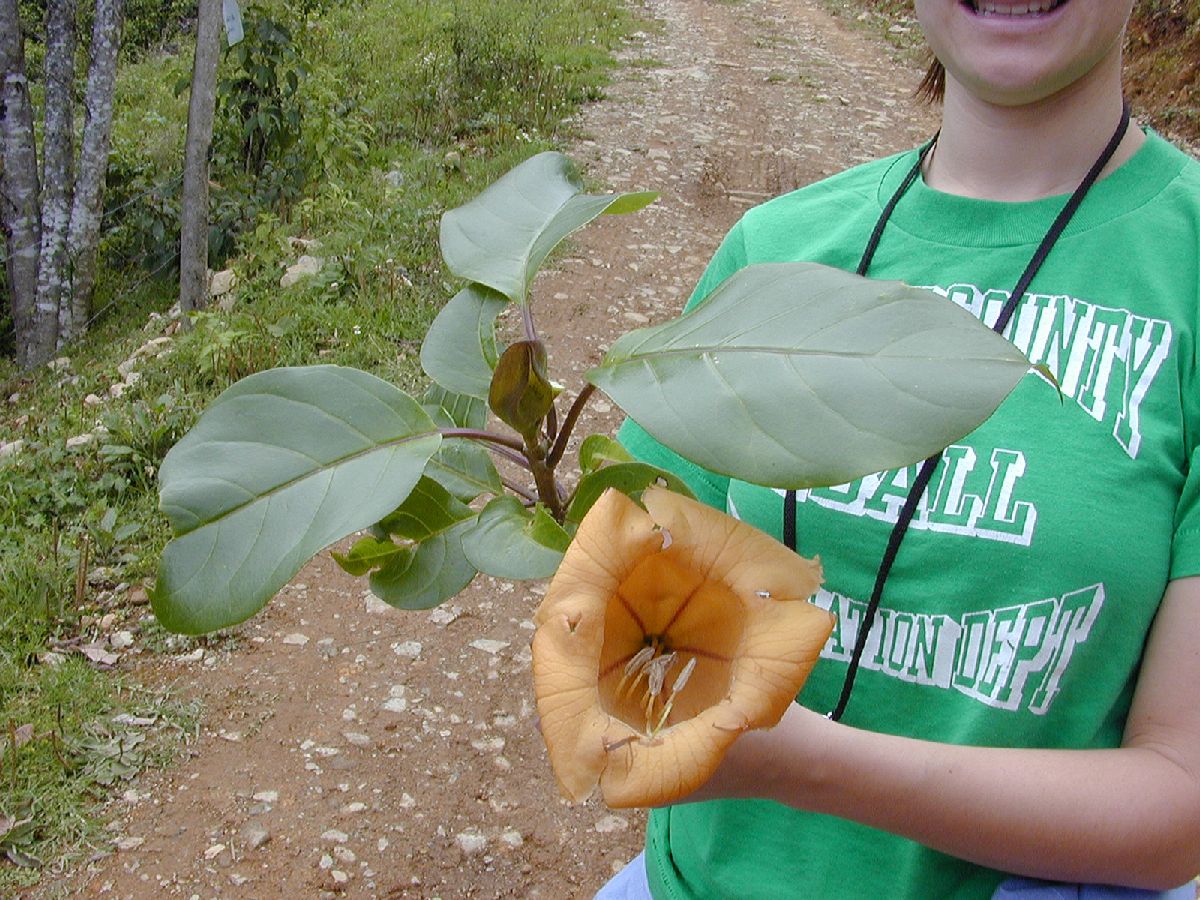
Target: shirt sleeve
<point>708,487</point>
<point>1185,548</point>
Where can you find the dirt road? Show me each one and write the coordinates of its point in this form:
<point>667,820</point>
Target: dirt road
<point>361,750</point>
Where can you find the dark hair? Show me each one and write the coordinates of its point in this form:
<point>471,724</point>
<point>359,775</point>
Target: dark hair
<point>933,86</point>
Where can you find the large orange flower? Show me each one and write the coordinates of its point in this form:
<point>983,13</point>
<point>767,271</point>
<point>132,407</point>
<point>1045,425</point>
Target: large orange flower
<point>663,637</point>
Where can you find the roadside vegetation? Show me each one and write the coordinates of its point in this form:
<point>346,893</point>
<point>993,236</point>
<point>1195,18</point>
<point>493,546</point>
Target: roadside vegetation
<point>344,130</point>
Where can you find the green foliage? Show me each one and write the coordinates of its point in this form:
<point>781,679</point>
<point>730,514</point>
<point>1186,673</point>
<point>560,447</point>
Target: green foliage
<point>288,461</point>
<point>373,198</point>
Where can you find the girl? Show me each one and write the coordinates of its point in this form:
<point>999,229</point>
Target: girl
<point>1014,673</point>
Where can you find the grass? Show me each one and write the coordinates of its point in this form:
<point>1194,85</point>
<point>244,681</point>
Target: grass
<point>409,109</point>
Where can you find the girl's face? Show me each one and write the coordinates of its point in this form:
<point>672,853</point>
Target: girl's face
<point>1014,52</point>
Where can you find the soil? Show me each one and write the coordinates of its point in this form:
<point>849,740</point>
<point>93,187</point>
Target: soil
<point>351,749</point>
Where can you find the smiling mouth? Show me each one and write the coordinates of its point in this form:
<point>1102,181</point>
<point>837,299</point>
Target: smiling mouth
<point>1013,10</point>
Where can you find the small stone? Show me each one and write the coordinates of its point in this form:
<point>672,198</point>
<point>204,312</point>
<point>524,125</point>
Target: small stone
<point>611,824</point>
<point>396,704</point>
<point>471,842</point>
<point>11,448</point>
<point>92,400</point>
<point>377,607</point>
<point>338,837</point>
<point>636,318</point>
<point>117,389</point>
<point>128,842</point>
<point>255,834</point>
<point>238,880</point>
<point>221,282</point>
<point>444,615</point>
<point>407,649</point>
<point>354,808</point>
<point>326,861</point>
<point>304,267</point>
<point>194,657</point>
<point>80,440</point>
<point>214,851</point>
<point>266,796</point>
<point>489,646</point>
<point>339,877</point>
<point>121,640</point>
<point>344,854</point>
<point>512,838</point>
<point>296,639</point>
<point>357,738</point>
<point>406,801</point>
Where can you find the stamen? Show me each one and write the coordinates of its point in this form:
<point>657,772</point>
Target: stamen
<point>657,669</point>
<point>634,666</point>
<point>680,680</point>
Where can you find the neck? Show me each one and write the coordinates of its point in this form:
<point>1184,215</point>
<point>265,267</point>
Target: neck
<point>1027,152</point>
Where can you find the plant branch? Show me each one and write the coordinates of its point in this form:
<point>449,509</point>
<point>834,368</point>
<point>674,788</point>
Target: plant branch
<point>518,490</point>
<point>560,444</point>
<point>476,434</point>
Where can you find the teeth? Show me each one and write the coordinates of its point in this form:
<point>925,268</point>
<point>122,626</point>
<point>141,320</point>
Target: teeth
<point>983,7</point>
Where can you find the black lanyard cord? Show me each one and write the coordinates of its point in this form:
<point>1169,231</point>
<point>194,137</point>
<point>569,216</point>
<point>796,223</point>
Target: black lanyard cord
<point>925,473</point>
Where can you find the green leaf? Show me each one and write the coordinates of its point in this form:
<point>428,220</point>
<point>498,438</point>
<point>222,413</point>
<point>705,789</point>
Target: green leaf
<point>510,541</point>
<point>428,510</point>
<point>797,375</point>
<point>367,553</point>
<point>426,574</point>
<point>598,450</point>
<point>451,410</point>
<point>459,351</point>
<point>521,393</point>
<point>629,478</point>
<point>500,238</point>
<point>462,466</point>
<point>282,464</point>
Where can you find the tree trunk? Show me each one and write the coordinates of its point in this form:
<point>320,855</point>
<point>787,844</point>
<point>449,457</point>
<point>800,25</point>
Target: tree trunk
<point>84,232</point>
<point>20,215</point>
<point>193,238</point>
<point>58,147</point>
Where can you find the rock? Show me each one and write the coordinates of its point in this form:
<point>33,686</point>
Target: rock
<point>339,877</point>
<point>92,400</point>
<point>377,607</point>
<point>128,842</point>
<point>357,738</point>
<point>489,646</point>
<point>254,835</point>
<point>407,649</point>
<point>214,851</point>
<point>395,704</point>
<point>512,838</point>
<point>471,842</point>
<point>353,809</point>
<point>59,365</point>
<point>296,639</point>
<point>266,796</point>
<point>611,824</point>
<point>221,282</point>
<point>121,640</point>
<point>333,834</point>
<point>116,389</point>
<point>11,448</point>
<point>80,440</point>
<point>304,267</point>
<point>444,615</point>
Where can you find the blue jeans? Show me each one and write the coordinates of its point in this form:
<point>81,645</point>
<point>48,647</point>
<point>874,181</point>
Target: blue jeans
<point>631,884</point>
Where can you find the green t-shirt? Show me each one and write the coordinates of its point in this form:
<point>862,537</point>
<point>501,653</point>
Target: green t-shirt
<point>1021,598</point>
